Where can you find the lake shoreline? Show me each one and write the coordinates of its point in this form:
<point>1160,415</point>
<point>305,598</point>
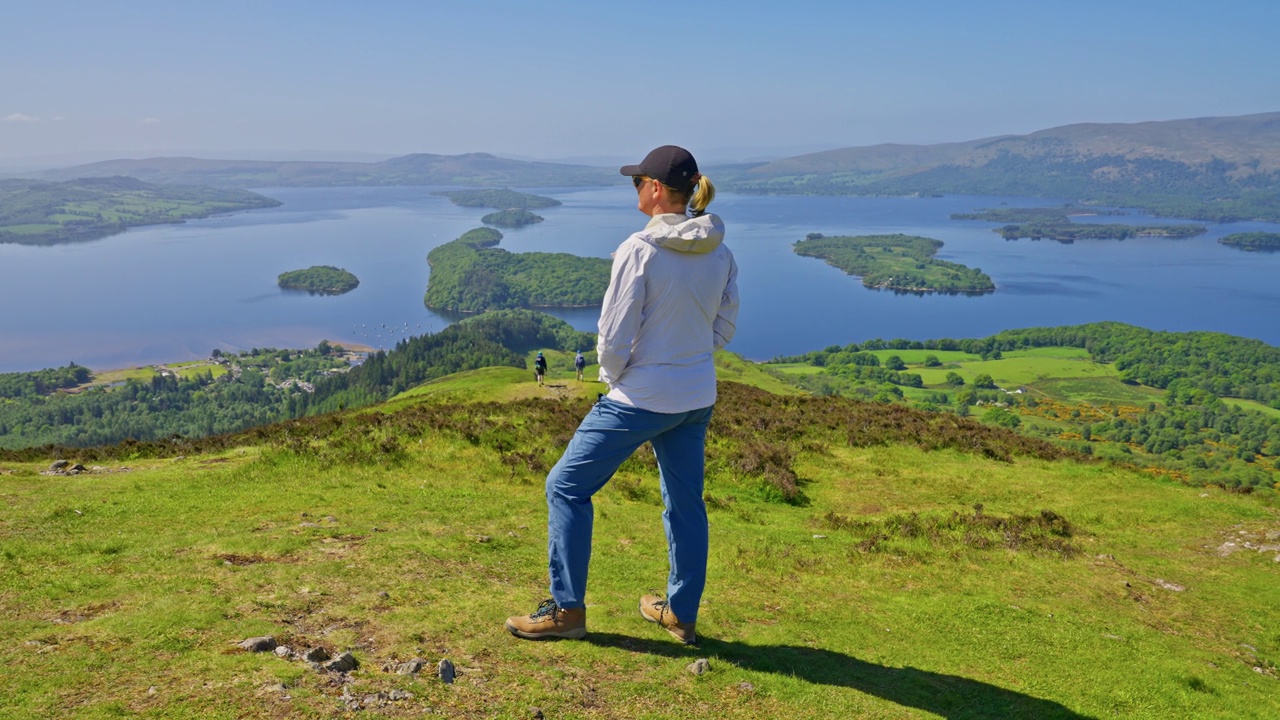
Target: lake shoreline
<point>133,298</point>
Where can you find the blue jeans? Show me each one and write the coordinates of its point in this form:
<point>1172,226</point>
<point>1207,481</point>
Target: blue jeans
<point>607,436</point>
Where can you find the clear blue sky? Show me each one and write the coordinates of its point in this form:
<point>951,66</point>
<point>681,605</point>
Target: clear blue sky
<point>605,78</point>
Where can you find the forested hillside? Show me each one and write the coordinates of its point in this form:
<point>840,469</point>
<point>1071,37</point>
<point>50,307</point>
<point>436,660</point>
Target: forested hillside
<point>489,339</point>
<point>239,392</point>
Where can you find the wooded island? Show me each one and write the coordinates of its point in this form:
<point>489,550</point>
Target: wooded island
<point>1253,240</point>
<point>502,199</point>
<point>467,275</point>
<point>511,218</point>
<point>319,280</point>
<point>895,262</point>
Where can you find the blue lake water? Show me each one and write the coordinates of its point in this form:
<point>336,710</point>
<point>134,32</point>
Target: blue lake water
<point>174,292</point>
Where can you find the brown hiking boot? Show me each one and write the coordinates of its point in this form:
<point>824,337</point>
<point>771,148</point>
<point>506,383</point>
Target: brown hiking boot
<point>549,621</point>
<point>655,610</point>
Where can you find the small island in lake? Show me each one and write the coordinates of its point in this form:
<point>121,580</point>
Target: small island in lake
<point>480,237</point>
<point>512,218</point>
<point>319,280</point>
<point>1055,224</point>
<point>469,275</point>
<point>499,199</point>
<point>1253,240</point>
<point>895,262</point>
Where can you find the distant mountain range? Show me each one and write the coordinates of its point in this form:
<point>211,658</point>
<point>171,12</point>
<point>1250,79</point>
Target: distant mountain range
<point>1216,168</point>
<point>472,169</point>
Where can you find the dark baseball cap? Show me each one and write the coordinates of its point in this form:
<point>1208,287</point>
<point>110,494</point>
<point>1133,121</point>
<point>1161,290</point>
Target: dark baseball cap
<point>670,165</point>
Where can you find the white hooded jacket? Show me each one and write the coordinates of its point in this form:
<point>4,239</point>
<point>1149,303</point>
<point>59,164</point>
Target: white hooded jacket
<point>672,301</point>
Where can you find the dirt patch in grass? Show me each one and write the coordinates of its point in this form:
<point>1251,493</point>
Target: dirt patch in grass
<point>1046,531</point>
<point>240,560</point>
<point>81,614</point>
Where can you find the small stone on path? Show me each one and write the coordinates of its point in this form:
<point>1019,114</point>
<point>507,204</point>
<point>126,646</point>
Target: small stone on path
<point>535,713</point>
<point>58,464</point>
<point>701,666</point>
<point>346,662</point>
<point>446,671</point>
<point>316,655</point>
<point>265,643</point>
<point>413,667</point>
<point>283,651</point>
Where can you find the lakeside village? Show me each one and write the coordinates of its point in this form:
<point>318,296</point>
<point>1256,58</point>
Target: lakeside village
<point>284,369</point>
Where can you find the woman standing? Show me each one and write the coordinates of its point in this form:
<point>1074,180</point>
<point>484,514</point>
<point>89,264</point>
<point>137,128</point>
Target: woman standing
<point>672,301</point>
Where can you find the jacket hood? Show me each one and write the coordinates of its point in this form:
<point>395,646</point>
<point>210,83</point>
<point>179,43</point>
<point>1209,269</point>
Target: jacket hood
<point>695,235</point>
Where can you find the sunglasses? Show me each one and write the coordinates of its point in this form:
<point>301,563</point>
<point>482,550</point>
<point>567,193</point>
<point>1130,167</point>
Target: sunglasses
<point>638,180</point>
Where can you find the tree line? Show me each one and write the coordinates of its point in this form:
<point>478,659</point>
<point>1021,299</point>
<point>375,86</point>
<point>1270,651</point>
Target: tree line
<point>206,403</point>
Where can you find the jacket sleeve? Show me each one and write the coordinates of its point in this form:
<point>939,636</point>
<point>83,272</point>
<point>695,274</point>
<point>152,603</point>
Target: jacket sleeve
<point>621,313</point>
<point>726,322</point>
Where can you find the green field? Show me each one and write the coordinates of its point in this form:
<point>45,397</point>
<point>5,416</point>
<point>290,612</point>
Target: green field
<point>1049,352</point>
<point>197,367</point>
<point>108,377</point>
<point>1251,405</point>
<point>916,357</point>
<point>1014,372</point>
<point>1073,590</point>
<point>1099,391</point>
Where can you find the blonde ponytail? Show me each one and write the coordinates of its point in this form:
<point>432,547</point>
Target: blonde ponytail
<point>703,194</point>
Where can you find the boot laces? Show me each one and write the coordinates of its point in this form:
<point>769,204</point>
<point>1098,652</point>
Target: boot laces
<point>547,608</point>
<point>662,607</point>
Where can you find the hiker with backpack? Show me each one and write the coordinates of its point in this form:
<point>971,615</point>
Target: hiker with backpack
<point>579,364</point>
<point>539,367</point>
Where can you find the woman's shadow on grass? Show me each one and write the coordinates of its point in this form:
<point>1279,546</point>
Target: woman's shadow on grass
<point>950,696</point>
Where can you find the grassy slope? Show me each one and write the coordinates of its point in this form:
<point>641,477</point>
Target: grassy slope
<point>114,583</point>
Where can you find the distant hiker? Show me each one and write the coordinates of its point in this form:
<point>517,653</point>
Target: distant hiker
<point>672,301</point>
<point>579,364</point>
<point>539,367</point>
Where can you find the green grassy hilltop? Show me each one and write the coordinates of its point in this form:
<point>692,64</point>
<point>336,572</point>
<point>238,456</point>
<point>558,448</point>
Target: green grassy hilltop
<point>866,561</point>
